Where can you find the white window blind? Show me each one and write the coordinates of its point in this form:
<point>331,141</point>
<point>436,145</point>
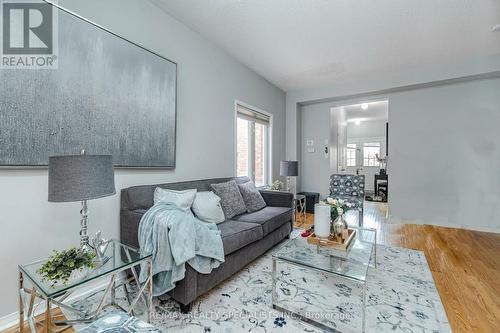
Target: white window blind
<point>252,115</point>
<point>253,131</point>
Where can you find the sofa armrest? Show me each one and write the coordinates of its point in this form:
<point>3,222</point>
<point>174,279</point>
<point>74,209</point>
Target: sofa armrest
<point>277,198</point>
<point>129,227</point>
<point>124,201</point>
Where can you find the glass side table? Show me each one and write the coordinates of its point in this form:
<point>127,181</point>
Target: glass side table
<point>299,208</point>
<point>121,257</point>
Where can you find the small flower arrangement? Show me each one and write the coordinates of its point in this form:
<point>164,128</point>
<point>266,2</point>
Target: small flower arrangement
<point>276,186</point>
<point>338,207</point>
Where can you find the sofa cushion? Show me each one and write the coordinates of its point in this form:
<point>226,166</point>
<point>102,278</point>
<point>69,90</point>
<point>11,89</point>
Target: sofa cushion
<point>270,218</point>
<point>251,196</point>
<point>236,235</point>
<point>207,207</point>
<point>180,199</point>
<point>230,198</point>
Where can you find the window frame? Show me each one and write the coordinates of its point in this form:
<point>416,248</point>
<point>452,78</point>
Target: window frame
<point>354,147</point>
<point>268,139</point>
<point>367,144</point>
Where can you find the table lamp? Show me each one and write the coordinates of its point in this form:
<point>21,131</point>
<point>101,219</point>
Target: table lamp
<point>289,169</point>
<point>81,178</point>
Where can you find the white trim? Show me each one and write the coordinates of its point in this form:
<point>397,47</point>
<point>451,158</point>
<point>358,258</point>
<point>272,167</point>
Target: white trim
<point>12,319</point>
<point>374,94</point>
<point>251,150</point>
<point>444,224</point>
<point>270,137</point>
<point>360,100</point>
<point>9,321</point>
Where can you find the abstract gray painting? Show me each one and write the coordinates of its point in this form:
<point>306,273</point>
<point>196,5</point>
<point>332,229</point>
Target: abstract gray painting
<point>108,96</point>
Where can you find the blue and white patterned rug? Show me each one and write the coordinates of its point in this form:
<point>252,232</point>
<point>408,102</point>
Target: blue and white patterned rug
<point>401,297</point>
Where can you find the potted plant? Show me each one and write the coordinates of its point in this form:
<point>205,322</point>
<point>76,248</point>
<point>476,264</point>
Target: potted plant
<point>66,266</point>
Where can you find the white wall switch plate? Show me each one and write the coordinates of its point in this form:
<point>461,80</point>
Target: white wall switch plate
<point>311,150</point>
<point>309,142</point>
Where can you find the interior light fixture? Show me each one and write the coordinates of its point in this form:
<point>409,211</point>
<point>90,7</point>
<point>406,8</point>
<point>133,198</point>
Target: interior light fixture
<point>357,122</point>
<point>364,106</point>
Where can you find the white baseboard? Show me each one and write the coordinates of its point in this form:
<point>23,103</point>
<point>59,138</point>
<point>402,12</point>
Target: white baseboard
<point>9,320</point>
<point>395,220</point>
<point>12,319</point>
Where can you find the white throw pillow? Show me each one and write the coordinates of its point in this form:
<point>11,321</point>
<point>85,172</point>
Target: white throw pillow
<point>206,207</point>
<point>181,199</point>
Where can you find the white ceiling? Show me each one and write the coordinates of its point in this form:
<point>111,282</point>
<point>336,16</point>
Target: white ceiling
<point>307,43</point>
<point>376,111</point>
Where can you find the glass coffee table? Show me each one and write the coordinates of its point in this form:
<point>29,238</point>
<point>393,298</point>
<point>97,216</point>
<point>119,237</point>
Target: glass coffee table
<point>351,265</point>
<point>119,258</point>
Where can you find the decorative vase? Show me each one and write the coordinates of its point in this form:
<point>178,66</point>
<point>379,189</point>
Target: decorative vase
<point>322,221</point>
<point>340,227</point>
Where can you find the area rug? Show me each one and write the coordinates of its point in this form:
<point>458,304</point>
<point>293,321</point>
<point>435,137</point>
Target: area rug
<point>401,297</point>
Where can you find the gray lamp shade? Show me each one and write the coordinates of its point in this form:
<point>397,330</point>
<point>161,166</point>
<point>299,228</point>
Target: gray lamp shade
<point>289,168</point>
<point>80,177</point>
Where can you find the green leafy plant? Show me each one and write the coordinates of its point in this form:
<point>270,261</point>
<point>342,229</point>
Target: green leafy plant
<point>62,263</point>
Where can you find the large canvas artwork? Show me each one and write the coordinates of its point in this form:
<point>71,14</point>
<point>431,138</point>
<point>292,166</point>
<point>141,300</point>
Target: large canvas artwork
<point>107,96</point>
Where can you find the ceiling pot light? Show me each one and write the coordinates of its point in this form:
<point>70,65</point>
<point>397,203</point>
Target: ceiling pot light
<point>357,122</point>
<point>364,106</point>
<point>496,28</point>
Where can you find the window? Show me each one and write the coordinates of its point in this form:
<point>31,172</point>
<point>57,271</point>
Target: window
<point>253,144</point>
<point>351,155</point>
<point>370,149</point>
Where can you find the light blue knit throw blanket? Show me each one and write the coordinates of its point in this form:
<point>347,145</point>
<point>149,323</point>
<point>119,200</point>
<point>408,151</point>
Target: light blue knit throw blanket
<point>175,238</point>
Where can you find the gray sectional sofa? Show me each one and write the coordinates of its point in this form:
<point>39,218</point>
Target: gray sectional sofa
<point>245,237</point>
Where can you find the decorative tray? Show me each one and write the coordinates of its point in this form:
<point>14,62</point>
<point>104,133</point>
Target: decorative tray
<point>333,242</point>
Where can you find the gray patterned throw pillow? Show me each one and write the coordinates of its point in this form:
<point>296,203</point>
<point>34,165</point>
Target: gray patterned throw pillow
<point>230,198</point>
<point>252,197</point>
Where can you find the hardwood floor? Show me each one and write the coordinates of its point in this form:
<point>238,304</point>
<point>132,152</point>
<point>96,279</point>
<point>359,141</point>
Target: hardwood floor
<point>39,329</point>
<point>465,266</point>
<point>466,269</point>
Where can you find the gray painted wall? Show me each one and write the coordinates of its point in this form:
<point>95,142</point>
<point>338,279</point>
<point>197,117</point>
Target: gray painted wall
<point>444,154</point>
<point>208,82</point>
<point>315,166</point>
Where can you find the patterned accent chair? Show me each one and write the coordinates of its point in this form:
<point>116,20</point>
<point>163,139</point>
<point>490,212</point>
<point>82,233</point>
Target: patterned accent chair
<point>350,188</point>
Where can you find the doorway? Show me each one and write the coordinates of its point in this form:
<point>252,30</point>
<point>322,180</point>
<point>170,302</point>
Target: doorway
<point>362,145</point>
